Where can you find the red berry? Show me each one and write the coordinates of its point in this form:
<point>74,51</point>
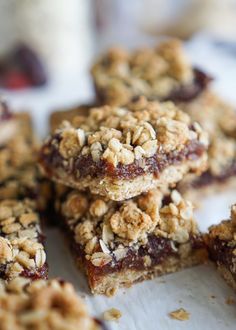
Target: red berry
<point>15,80</point>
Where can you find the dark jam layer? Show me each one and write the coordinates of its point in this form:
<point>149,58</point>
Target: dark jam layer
<point>189,92</point>
<point>36,274</point>
<point>157,248</point>
<point>40,273</point>
<point>85,166</point>
<point>222,253</point>
<point>208,178</point>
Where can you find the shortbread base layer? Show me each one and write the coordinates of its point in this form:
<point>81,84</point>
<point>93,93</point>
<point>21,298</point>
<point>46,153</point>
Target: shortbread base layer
<point>118,189</point>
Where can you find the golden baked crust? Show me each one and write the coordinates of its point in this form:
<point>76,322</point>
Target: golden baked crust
<point>111,139</point>
<point>43,305</point>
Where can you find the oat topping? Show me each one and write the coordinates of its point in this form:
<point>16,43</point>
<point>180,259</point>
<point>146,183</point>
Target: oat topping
<point>106,228</point>
<point>43,305</point>
<point>20,239</point>
<point>124,135</point>
<point>119,76</point>
<point>180,315</point>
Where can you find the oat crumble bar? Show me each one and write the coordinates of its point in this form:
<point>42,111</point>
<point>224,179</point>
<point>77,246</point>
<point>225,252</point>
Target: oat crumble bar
<point>27,182</point>
<point>119,243</point>
<point>160,73</point>
<point>122,152</point>
<point>221,242</point>
<point>18,144</point>
<point>43,305</point>
<point>22,250</point>
<point>219,120</point>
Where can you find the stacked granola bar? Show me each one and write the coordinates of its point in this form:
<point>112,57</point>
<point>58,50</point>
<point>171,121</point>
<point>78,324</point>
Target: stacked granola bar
<point>123,222</point>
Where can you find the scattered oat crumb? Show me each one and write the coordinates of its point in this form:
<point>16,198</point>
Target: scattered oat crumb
<point>112,314</point>
<point>180,314</point>
<point>230,301</point>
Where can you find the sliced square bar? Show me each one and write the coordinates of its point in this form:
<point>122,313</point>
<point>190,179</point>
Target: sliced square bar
<point>118,244</point>
<point>43,304</point>
<point>122,152</point>
<point>221,241</point>
<point>22,250</point>
<point>159,73</point>
<point>219,120</point>
<point>18,145</point>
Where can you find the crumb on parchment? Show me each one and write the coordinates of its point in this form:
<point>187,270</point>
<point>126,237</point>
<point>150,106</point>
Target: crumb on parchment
<point>180,314</point>
<point>112,314</point>
<point>230,300</point>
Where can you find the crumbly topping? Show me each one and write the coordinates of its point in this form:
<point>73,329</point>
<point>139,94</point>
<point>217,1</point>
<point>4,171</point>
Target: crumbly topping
<point>105,227</point>
<point>120,76</point>
<point>226,230</point>
<point>180,315</point>
<point>124,135</point>
<point>43,305</point>
<point>112,314</point>
<point>20,239</point>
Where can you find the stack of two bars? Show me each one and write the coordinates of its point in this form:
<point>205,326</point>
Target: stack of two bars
<point>123,221</point>
<point>21,241</point>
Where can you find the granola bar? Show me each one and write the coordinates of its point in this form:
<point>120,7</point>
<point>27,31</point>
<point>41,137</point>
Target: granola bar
<point>17,142</point>
<point>221,241</point>
<point>119,243</point>
<point>160,73</point>
<point>22,251</point>
<point>219,120</point>
<point>43,305</point>
<point>122,152</point>
<point>27,182</point>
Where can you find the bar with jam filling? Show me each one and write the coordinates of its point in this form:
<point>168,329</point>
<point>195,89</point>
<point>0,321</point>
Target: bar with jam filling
<point>221,241</point>
<point>159,73</point>
<point>119,243</point>
<point>122,152</point>
<point>18,144</point>
<point>22,250</point>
